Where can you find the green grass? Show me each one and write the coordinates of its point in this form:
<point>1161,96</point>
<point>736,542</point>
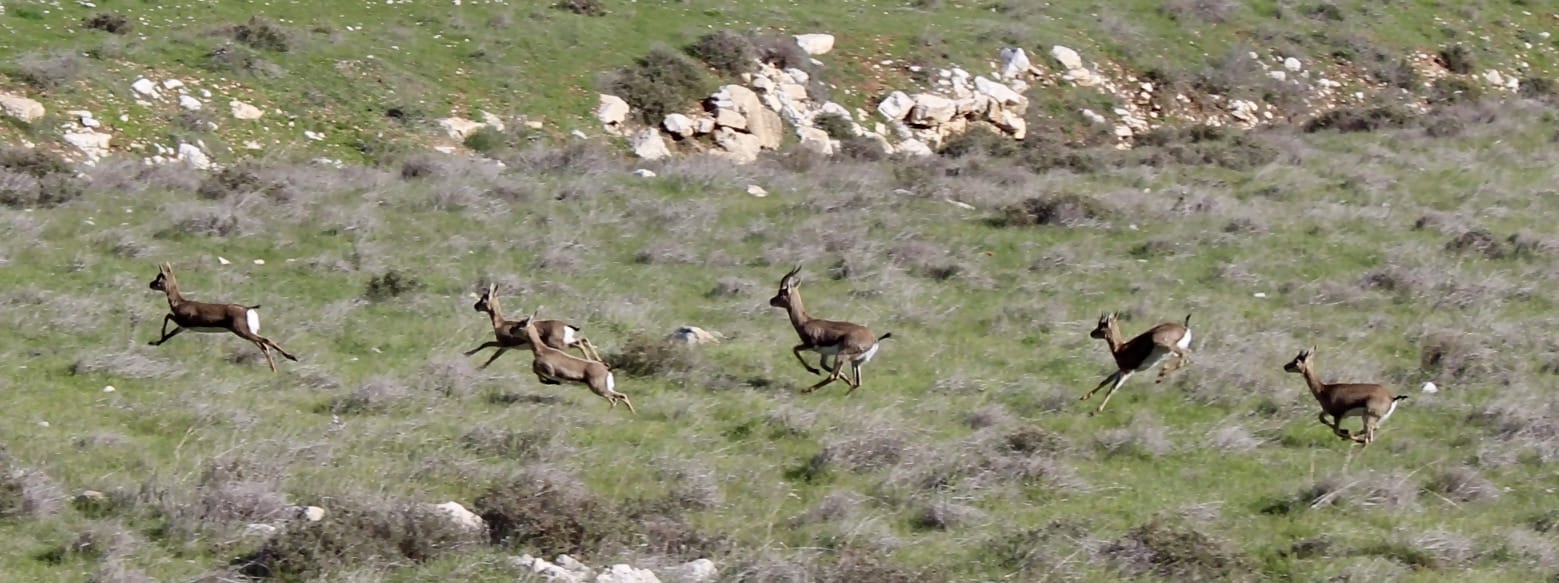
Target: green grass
<point>723,459</point>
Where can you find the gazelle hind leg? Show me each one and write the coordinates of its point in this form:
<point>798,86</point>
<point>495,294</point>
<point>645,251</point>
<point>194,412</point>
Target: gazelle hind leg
<point>832,376</point>
<point>266,350</point>
<point>855,368</point>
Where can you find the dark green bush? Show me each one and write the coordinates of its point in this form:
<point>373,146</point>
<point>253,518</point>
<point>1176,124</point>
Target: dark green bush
<point>662,82</point>
<point>727,52</point>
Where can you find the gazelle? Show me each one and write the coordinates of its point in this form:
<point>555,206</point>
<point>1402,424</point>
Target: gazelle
<point>1141,353</point>
<point>553,366</point>
<point>207,317</point>
<point>844,341</point>
<point>554,333</point>
<point>1370,401</point>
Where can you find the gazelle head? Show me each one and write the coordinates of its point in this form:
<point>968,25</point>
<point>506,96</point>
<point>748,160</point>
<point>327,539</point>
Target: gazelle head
<point>164,277</point>
<point>1300,363</point>
<point>1106,323</point>
<point>486,303</point>
<point>787,284</point>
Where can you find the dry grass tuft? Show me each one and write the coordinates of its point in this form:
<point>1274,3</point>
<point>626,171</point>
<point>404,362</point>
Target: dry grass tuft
<point>1178,551</point>
<point>548,511</point>
<point>1463,484</point>
<point>1389,491</point>
<point>126,364</point>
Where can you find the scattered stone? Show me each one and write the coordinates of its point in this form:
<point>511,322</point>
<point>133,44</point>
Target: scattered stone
<point>932,110</point>
<point>816,43</point>
<point>694,335</point>
<point>462,517</point>
<point>109,389</point>
<point>144,87</point>
<point>1014,63</point>
<point>1292,64</point>
<point>612,111</point>
<point>896,106</point>
<point>815,140</point>
<point>193,156</point>
<point>644,173</point>
<point>260,530</point>
<point>223,260</point>
<point>1430,387</point>
<point>91,143</point>
<point>737,146</point>
<point>171,84</point>
<point>622,573</point>
<point>915,148</point>
<point>22,108</point>
<point>189,103</point>
<point>309,513</point>
<point>459,128</point>
<point>534,124</point>
<point>1068,58</point>
<point>647,144</point>
<point>493,121</point>
<point>757,191</point>
<point>678,125</point>
<point>313,135</point>
<point>245,111</point>
<point>694,571</point>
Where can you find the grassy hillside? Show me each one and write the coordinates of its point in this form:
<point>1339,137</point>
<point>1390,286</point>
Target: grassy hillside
<point>1407,248</point>
<point>371,77</point>
<point>964,457</point>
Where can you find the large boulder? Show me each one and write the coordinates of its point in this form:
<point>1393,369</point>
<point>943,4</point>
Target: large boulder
<point>648,144</point>
<point>612,111</point>
<point>762,122</point>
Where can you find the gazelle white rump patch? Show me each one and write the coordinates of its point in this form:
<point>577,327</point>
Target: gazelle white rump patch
<point>253,316</point>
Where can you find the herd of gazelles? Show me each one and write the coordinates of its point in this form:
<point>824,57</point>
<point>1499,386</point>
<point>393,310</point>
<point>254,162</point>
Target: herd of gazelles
<point>847,343</point>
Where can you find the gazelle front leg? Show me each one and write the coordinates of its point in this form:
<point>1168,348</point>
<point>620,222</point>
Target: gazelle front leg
<point>496,354</point>
<point>165,334</point>
<point>1120,379</point>
<point>1336,426</point>
<point>488,344</point>
<point>1107,380</point>
<point>797,351</point>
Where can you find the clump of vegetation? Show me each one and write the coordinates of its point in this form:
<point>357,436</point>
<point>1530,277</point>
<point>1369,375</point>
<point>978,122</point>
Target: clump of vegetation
<point>47,70</point>
<point>1166,548</point>
<point>1204,145</point>
<point>390,284</point>
<point>646,356</point>
<point>35,178</point>
<point>486,140</point>
<point>547,512</point>
<point>981,140</point>
<point>356,535</point>
<point>1366,119</point>
<point>661,83</point>
<point>236,180</point>
<point>1479,242</point>
<point>728,52</point>
<point>1063,209</point>
<point>1454,90</point>
<point>109,22</point>
<point>582,7</point>
<point>1463,484</point>
<point>1457,59</point>
<point>837,126</point>
<point>262,34</point>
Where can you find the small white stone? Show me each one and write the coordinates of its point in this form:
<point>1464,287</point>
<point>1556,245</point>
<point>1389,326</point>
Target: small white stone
<point>109,389</point>
<point>644,173</point>
<point>223,260</point>
<point>1259,294</point>
<point>757,191</point>
<point>1431,388</point>
<point>259,262</point>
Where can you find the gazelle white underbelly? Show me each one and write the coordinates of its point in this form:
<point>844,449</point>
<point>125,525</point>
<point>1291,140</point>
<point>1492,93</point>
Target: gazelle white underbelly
<point>1154,358</point>
<point>1185,341</point>
<point>570,335</point>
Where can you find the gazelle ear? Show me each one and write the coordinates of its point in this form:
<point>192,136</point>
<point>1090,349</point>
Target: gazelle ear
<point>165,267</point>
<point>492,289</point>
